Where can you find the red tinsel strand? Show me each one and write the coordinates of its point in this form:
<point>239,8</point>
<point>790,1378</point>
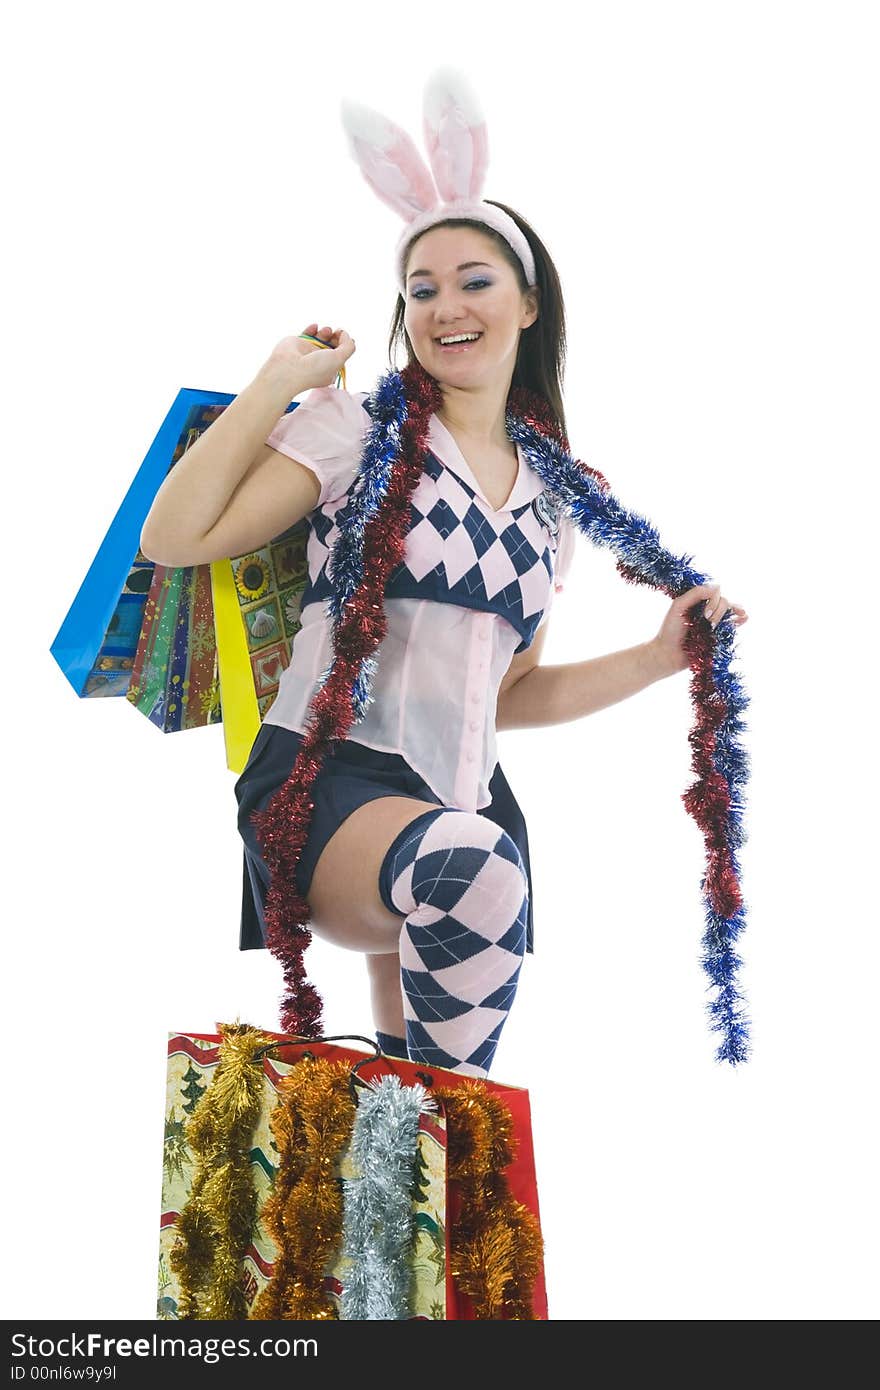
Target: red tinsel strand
<point>633,577</point>
<point>535,411</point>
<point>708,799</point>
<point>282,827</point>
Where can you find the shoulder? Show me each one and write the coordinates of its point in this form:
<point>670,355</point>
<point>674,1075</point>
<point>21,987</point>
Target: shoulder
<point>328,408</point>
<point>325,431</point>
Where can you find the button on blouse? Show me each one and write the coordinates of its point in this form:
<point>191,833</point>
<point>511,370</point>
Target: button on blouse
<point>475,584</point>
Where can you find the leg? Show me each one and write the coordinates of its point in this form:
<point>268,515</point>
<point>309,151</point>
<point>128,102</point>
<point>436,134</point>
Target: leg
<point>347,908</point>
<point>460,883</point>
<point>385,992</point>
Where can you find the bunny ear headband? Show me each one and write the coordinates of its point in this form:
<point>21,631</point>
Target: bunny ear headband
<point>458,148</point>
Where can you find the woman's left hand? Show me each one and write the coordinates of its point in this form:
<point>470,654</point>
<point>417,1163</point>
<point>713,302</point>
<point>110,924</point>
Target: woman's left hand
<point>669,640</point>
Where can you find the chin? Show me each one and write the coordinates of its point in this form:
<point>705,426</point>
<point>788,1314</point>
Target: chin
<point>452,370</point>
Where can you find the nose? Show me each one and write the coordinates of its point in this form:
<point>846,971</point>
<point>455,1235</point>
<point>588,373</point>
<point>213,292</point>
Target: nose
<point>449,306</point>
<point>451,323</point>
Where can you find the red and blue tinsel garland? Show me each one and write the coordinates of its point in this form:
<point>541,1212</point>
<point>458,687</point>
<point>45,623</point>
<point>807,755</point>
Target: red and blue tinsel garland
<point>371,544</point>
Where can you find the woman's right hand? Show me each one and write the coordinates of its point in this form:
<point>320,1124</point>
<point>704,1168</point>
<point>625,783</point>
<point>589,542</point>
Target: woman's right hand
<point>308,364</point>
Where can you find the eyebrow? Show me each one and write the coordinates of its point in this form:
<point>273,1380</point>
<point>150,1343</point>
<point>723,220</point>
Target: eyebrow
<point>467,266</point>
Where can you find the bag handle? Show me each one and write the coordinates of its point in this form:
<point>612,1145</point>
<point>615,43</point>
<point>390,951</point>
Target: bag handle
<point>354,1080</point>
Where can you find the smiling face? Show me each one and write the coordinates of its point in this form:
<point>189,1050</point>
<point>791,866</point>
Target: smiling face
<point>458,282</point>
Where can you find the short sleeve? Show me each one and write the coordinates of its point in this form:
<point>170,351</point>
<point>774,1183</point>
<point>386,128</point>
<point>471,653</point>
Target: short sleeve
<point>565,551</point>
<point>325,431</point>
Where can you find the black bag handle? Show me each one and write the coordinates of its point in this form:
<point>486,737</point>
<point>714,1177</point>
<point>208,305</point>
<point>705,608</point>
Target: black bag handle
<point>354,1079</point>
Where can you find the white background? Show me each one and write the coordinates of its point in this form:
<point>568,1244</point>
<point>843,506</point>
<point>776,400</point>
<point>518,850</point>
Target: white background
<point>705,177</point>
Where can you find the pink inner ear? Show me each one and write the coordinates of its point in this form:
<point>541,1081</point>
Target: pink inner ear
<point>396,173</point>
<point>459,154</point>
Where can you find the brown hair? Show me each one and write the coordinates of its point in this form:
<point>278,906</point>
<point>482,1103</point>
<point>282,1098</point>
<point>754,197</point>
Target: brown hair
<point>540,358</point>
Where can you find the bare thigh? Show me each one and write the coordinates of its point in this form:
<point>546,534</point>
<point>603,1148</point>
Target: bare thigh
<point>347,908</point>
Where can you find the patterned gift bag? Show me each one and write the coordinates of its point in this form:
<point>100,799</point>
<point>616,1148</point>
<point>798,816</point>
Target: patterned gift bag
<point>192,1059</point>
<point>438,1289</point>
<point>257,607</point>
<point>187,646</point>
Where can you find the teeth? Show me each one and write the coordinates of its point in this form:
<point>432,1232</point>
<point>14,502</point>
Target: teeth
<point>462,338</point>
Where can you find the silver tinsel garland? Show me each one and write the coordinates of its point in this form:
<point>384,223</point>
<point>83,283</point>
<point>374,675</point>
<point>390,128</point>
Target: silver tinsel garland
<point>378,1223</point>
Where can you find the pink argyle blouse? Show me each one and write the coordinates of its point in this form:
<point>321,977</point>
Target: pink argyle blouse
<point>475,584</point>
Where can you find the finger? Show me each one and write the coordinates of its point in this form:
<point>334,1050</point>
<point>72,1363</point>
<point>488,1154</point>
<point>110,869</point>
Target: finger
<point>712,604</point>
<point>689,600</point>
<point>690,596</point>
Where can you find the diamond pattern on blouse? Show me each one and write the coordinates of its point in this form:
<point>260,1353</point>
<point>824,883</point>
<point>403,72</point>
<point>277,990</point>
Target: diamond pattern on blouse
<point>458,550</point>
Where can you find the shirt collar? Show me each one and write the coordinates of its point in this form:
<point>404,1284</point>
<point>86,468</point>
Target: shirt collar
<point>442,443</point>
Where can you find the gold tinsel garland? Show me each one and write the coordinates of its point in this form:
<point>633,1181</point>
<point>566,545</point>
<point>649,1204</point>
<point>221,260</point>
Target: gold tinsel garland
<point>496,1243</point>
<point>311,1123</point>
<point>217,1220</point>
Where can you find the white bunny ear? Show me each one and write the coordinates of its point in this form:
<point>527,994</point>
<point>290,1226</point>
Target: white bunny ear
<point>389,161</point>
<point>455,136</point>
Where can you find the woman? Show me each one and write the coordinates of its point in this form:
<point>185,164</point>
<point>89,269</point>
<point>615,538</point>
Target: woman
<point>366,866</point>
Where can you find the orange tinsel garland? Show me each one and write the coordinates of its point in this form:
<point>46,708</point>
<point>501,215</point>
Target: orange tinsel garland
<point>496,1244</point>
<point>310,1124</point>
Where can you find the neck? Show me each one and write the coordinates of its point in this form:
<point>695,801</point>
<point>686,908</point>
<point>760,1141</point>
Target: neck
<point>526,405</point>
<point>479,414</point>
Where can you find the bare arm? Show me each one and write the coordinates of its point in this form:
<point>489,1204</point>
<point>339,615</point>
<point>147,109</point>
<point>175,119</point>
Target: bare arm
<point>231,492</point>
<point>531,694</point>
<point>534,695</point>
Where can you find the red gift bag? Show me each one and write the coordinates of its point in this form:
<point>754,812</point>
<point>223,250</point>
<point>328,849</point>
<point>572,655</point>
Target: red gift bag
<point>446,1208</point>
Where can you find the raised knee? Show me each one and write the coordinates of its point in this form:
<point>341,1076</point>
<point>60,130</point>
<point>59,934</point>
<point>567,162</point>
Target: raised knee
<point>461,864</point>
<point>454,829</point>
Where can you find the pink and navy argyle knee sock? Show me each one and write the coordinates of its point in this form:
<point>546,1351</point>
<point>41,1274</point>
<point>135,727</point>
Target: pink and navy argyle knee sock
<point>459,882</point>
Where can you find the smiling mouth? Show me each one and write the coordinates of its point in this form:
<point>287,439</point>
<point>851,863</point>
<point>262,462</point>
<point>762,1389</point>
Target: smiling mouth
<point>458,347</point>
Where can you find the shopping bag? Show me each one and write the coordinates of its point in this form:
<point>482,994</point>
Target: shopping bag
<point>258,612</point>
<point>435,1287</point>
<point>188,646</point>
<point>97,642</point>
<point>174,677</point>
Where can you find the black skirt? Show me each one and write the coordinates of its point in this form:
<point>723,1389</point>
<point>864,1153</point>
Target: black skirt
<point>351,775</point>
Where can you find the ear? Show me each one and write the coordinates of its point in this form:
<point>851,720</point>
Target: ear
<point>455,136</point>
<point>532,299</point>
<point>388,160</point>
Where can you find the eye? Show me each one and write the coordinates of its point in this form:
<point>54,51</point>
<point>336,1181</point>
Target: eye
<point>471,285</point>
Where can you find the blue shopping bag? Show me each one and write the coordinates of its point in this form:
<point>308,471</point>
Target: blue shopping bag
<point>96,644</point>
